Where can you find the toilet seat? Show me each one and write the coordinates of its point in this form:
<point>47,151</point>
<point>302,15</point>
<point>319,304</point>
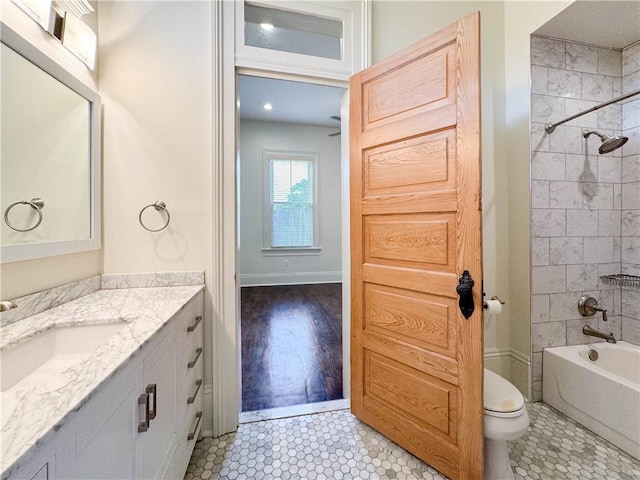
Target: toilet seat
<point>501,398</point>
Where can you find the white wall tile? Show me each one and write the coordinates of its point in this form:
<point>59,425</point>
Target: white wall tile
<point>565,250</point>
<point>588,120</point>
<point>631,330</point>
<point>574,332</point>
<point>597,87</point>
<point>547,52</point>
<point>617,196</point>
<point>580,168</point>
<point>548,223</point>
<point>539,79</point>
<point>545,108</point>
<point>598,250</point>
<point>630,113</point>
<point>631,82</point>
<point>536,370</point>
<point>540,308</point>
<point>632,147</point>
<point>539,138</point>
<point>582,58</point>
<point>631,250</point>
<point>598,195</point>
<point>565,195</point>
<point>609,223</point>
<point>581,277</point>
<point>631,59</point>
<point>564,306</point>
<point>610,169</point>
<point>549,279</point>
<point>609,62</point>
<point>581,223</point>
<point>631,196</point>
<point>545,335</point>
<point>564,83</point>
<point>617,87</point>
<point>566,139</point>
<point>547,166</point>
<point>630,269</point>
<point>539,194</point>
<point>540,251</point>
<point>630,223</point>
<point>610,117</point>
<point>631,303</point>
<point>631,169</point>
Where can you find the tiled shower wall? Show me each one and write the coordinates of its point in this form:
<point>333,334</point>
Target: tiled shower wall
<point>584,218</point>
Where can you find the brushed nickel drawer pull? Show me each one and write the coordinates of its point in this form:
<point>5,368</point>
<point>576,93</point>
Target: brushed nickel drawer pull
<point>192,363</point>
<point>144,400</point>
<point>192,398</point>
<point>193,434</point>
<point>151,390</point>
<point>191,328</point>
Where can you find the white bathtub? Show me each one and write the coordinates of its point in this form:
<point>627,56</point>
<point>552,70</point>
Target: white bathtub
<point>603,395</point>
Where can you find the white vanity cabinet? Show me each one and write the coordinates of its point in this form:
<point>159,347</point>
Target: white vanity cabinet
<point>138,423</point>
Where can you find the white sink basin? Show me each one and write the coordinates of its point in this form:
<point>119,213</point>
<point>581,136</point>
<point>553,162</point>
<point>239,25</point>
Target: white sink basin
<point>52,351</point>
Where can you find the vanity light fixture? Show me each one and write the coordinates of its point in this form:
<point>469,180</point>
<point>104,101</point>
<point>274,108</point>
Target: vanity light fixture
<point>80,40</point>
<point>268,106</point>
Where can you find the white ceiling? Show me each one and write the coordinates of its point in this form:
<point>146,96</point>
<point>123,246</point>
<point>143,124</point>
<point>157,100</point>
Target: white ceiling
<point>293,102</point>
<point>614,24</point>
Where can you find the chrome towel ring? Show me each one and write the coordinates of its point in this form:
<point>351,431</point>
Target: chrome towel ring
<point>36,203</point>
<point>159,206</point>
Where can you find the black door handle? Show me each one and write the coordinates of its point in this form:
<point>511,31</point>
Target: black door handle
<point>465,292</point>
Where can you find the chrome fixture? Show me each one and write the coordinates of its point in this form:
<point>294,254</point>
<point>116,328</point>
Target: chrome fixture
<point>592,332</point>
<point>159,207</point>
<point>36,203</point>
<point>588,306</point>
<point>7,305</point>
<point>609,144</point>
<point>550,127</point>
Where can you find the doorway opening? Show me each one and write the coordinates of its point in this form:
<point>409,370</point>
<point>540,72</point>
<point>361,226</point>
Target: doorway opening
<point>289,210</point>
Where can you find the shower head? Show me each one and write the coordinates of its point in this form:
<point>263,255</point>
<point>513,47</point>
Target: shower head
<point>609,144</point>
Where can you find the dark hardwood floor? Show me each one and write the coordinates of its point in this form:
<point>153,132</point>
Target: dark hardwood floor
<point>291,345</point>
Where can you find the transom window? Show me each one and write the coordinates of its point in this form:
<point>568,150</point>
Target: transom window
<point>291,200</point>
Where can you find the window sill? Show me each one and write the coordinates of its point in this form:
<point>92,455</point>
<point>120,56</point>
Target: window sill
<point>282,252</point>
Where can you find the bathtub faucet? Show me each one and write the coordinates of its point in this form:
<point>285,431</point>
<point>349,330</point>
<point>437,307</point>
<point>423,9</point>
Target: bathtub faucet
<point>592,332</point>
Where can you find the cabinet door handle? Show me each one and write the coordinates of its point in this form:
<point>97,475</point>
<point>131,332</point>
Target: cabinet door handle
<point>151,390</point>
<point>144,400</point>
<point>195,429</point>
<point>191,328</point>
<point>192,363</point>
<point>192,398</point>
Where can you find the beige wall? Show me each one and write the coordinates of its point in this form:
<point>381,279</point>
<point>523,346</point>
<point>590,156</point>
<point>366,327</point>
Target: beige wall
<point>21,278</point>
<point>156,85</point>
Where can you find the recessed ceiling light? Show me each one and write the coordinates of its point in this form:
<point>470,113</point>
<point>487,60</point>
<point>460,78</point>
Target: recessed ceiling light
<point>266,26</point>
<point>268,106</point>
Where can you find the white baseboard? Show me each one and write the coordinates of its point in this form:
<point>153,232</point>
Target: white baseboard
<point>294,278</point>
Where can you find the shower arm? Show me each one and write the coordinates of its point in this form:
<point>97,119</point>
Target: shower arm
<point>550,127</point>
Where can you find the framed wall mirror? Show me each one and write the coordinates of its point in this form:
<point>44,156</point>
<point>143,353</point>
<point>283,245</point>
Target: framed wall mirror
<point>50,156</point>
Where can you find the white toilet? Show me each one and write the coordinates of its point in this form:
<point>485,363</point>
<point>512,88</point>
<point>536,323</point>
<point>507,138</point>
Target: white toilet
<point>505,418</point>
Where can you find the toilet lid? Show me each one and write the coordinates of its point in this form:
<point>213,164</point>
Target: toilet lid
<point>500,395</point>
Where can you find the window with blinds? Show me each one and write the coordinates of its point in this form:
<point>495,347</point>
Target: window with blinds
<point>291,201</point>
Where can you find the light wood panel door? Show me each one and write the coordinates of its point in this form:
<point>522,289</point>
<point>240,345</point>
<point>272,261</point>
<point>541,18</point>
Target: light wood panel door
<point>417,364</point>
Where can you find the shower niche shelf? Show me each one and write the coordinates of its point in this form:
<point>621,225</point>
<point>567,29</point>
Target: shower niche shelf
<point>622,280</point>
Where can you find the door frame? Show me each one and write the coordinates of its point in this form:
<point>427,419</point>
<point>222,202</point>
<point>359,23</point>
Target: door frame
<point>225,392</point>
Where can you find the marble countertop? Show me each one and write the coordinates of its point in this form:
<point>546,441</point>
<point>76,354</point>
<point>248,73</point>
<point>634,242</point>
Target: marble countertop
<point>32,414</point>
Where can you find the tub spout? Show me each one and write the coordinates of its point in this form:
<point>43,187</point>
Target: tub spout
<point>592,332</point>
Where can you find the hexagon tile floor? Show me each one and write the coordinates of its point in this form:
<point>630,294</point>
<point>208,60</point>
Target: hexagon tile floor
<point>335,445</point>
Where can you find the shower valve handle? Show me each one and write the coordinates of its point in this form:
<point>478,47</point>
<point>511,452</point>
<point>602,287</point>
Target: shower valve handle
<point>465,292</point>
